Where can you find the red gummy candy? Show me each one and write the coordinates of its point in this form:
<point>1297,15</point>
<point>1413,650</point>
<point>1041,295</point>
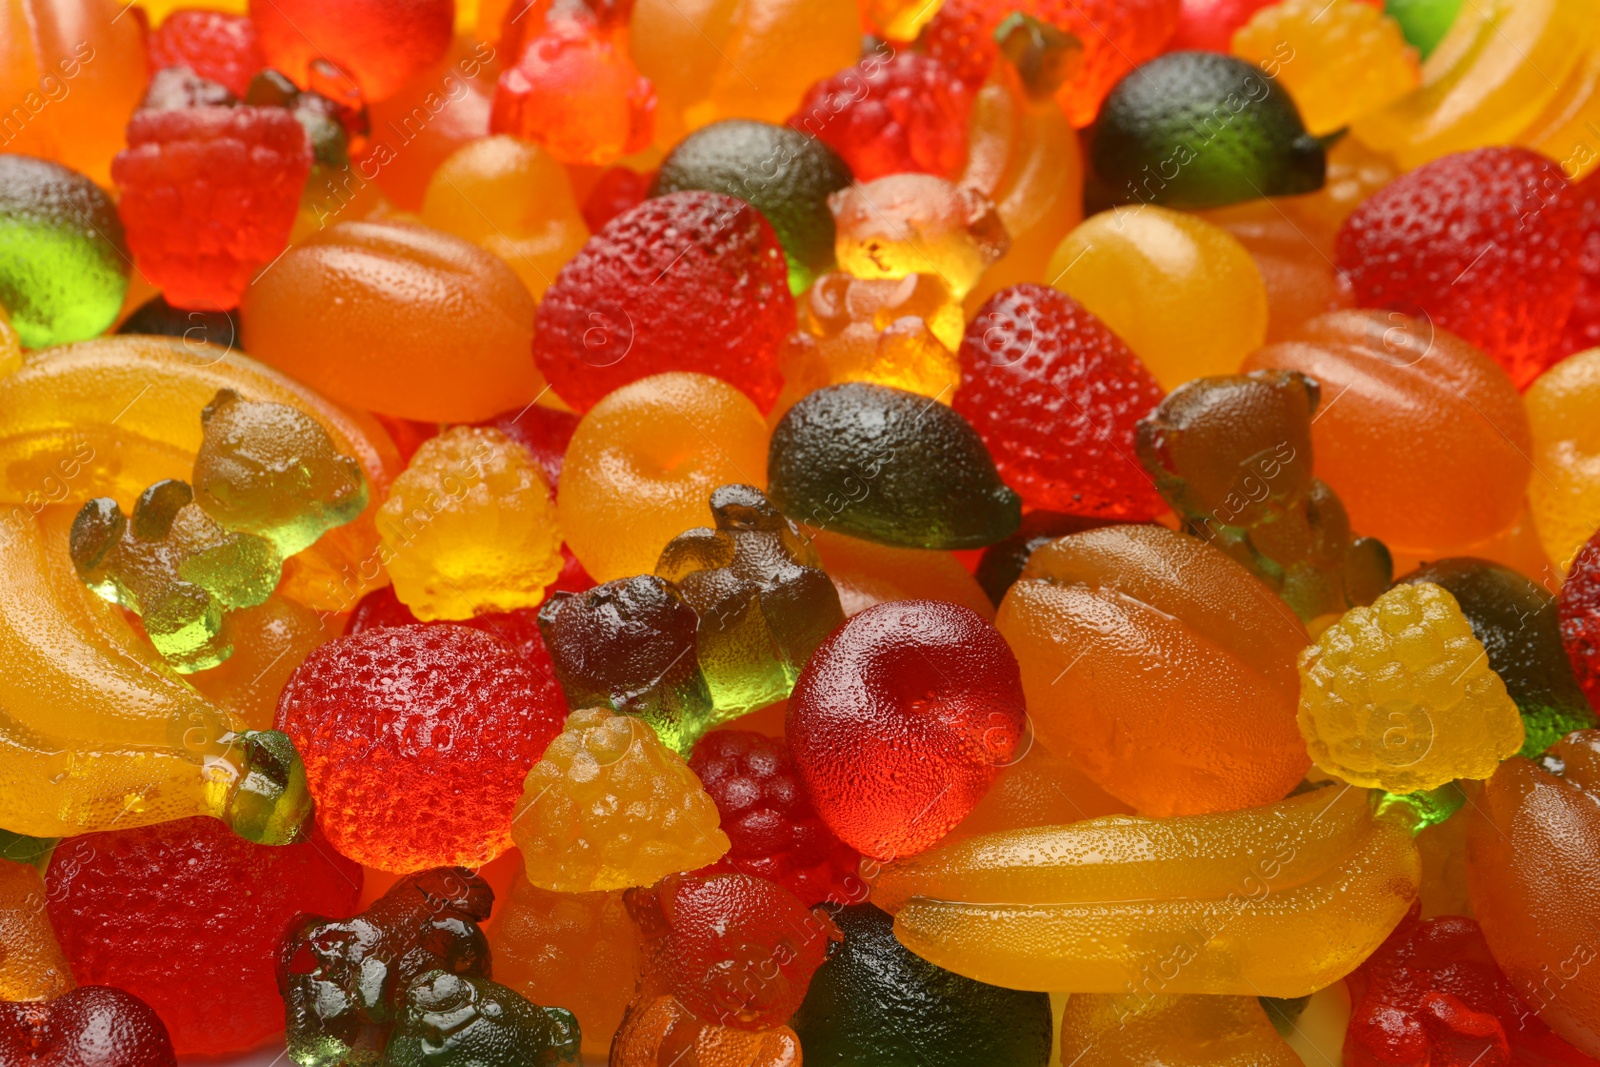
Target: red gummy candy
<point>733,948</point>
<point>1583,327</point>
<point>209,195</point>
<point>1056,396</point>
<point>544,432</point>
<point>213,44</point>
<point>1209,25</point>
<point>1433,994</point>
<point>408,435</point>
<point>1484,244</point>
<point>900,721</point>
<point>775,832</point>
<point>1579,609</point>
<point>91,1026</point>
<point>617,190</point>
<point>905,114</point>
<point>690,281</point>
<point>379,44</point>
<point>1117,35</point>
<point>187,915</point>
<point>416,740</point>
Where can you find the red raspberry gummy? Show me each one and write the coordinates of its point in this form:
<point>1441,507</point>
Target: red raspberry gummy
<point>91,1026</point>
<point>616,190</point>
<point>1483,243</point>
<point>690,281</point>
<point>890,116</point>
<point>775,832</point>
<point>544,432</point>
<point>1583,327</point>
<point>733,948</point>
<point>901,720</point>
<point>187,915</point>
<point>379,44</point>
<point>213,44</point>
<point>1579,609</point>
<point>209,195</point>
<point>416,740</point>
<point>1056,396</point>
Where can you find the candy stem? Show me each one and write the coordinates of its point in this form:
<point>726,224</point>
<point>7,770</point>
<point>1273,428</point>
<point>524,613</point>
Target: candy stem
<point>269,802</point>
<point>1044,56</point>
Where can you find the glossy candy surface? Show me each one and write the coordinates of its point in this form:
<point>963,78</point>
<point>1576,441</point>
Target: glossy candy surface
<point>33,967</point>
<point>95,1026</point>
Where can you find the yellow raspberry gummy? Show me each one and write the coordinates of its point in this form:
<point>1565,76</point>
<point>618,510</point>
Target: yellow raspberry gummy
<point>469,527</point>
<point>1400,696</point>
<point>610,806</point>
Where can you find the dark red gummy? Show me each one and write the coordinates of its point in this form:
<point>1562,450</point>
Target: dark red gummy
<point>1583,326</point>
<point>618,189</point>
<point>186,915</point>
<point>416,740</point>
<point>213,44</point>
<point>1056,396</point>
<point>544,432</point>
<point>906,113</point>
<point>690,281</point>
<point>775,832</point>
<point>901,720</point>
<point>91,1026</point>
<point>1484,244</point>
<point>408,435</point>
<point>1579,610</point>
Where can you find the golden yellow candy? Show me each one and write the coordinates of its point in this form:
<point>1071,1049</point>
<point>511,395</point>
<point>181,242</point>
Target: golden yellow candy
<point>10,347</point>
<point>1149,1030</point>
<point>32,966</point>
<point>1565,496</point>
<point>1183,293</point>
<point>1400,696</point>
<point>917,224</point>
<point>470,528</point>
<point>1568,130</point>
<point>902,20</point>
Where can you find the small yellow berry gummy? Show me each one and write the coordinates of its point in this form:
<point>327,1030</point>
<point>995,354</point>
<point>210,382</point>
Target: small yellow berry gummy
<point>469,527</point>
<point>610,806</point>
<point>1400,696</point>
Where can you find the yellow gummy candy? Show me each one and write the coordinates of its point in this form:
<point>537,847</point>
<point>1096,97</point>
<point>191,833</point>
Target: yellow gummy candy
<point>32,966</point>
<point>1100,1030</point>
<point>1565,499</point>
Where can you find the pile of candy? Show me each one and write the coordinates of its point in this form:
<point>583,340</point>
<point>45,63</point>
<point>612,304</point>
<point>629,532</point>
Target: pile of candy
<point>991,533</point>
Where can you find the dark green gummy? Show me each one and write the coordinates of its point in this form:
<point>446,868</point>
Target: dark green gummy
<point>1200,130</point>
<point>889,466</point>
<point>1423,22</point>
<point>876,1004</point>
<point>452,1020</point>
<point>156,316</point>
<point>782,173</point>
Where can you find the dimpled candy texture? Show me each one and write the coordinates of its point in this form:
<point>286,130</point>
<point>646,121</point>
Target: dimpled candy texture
<point>1400,696</point>
<point>1583,328</point>
<point>450,1019</point>
<point>661,1032</point>
<point>1117,35</point>
<point>32,966</point>
<point>774,830</point>
<point>186,915</point>
<point>691,281</point>
<point>1484,244</point>
<point>1056,396</point>
<point>1579,609</point>
<point>95,1026</point>
<point>208,195</point>
<point>470,527</point>
<point>901,720</point>
<point>213,44</point>
<point>733,948</point>
<point>378,44</point>
<point>610,806</point>
<point>416,740</point>
<point>908,112</point>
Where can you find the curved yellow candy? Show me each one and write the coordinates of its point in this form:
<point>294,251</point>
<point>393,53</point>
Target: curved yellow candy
<point>1279,900</point>
<point>1099,1030</point>
<point>1566,452</point>
<point>1568,131</point>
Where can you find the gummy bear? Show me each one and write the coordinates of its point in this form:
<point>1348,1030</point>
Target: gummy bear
<point>1139,1028</point>
<point>214,44</point>
<point>611,806</point>
<point>92,1026</point>
<point>32,967</point>
<point>450,1019</point>
<point>1579,612</point>
<point>917,224</point>
<point>1400,696</point>
<point>1565,498</point>
<point>377,44</point>
<point>661,1032</point>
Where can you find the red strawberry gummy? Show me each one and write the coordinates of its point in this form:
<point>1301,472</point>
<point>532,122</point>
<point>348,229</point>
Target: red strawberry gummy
<point>1583,327</point>
<point>733,948</point>
<point>1056,397</point>
<point>379,44</point>
<point>1117,35</point>
<point>690,281</point>
<point>775,832</point>
<point>1484,244</point>
<point>209,195</point>
<point>187,915</point>
<point>213,44</point>
<point>416,740</point>
<point>900,722</point>
<point>91,1026</point>
<point>1579,610</point>
<point>891,116</point>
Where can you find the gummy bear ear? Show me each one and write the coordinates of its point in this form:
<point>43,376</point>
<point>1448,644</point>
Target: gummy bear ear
<point>97,526</point>
<point>157,506</point>
<point>223,399</point>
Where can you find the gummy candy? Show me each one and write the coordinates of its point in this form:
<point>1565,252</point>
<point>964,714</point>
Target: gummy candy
<point>470,527</point>
<point>1106,1030</point>
<point>1182,293</point>
<point>1382,374</point>
<point>891,755</point>
<point>214,44</point>
<point>94,1026</point>
<point>1401,696</point>
<point>186,915</point>
<point>377,44</point>
<point>1002,562</point>
<point>453,717</point>
<point>33,967</point>
<point>1209,25</point>
<point>690,281</point>
<point>1562,132</point>
<point>156,316</point>
<point>398,318</point>
<point>790,186</point>
<point>661,1032</point>
<point>1092,620</point>
<point>269,642</point>
<point>449,1018</point>
<point>1278,900</point>
<point>1578,608</point>
<point>544,432</point>
<point>616,190</point>
<point>1424,22</point>
<point>1565,498</point>
<point>330,127</point>
<point>1292,252</point>
<point>63,272</point>
<point>1481,244</point>
<point>875,1002</point>
<point>865,574</point>
<point>610,806</point>
<point>1038,789</point>
<point>1583,327</point>
<point>888,466</point>
<point>917,224</point>
<point>1055,396</point>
